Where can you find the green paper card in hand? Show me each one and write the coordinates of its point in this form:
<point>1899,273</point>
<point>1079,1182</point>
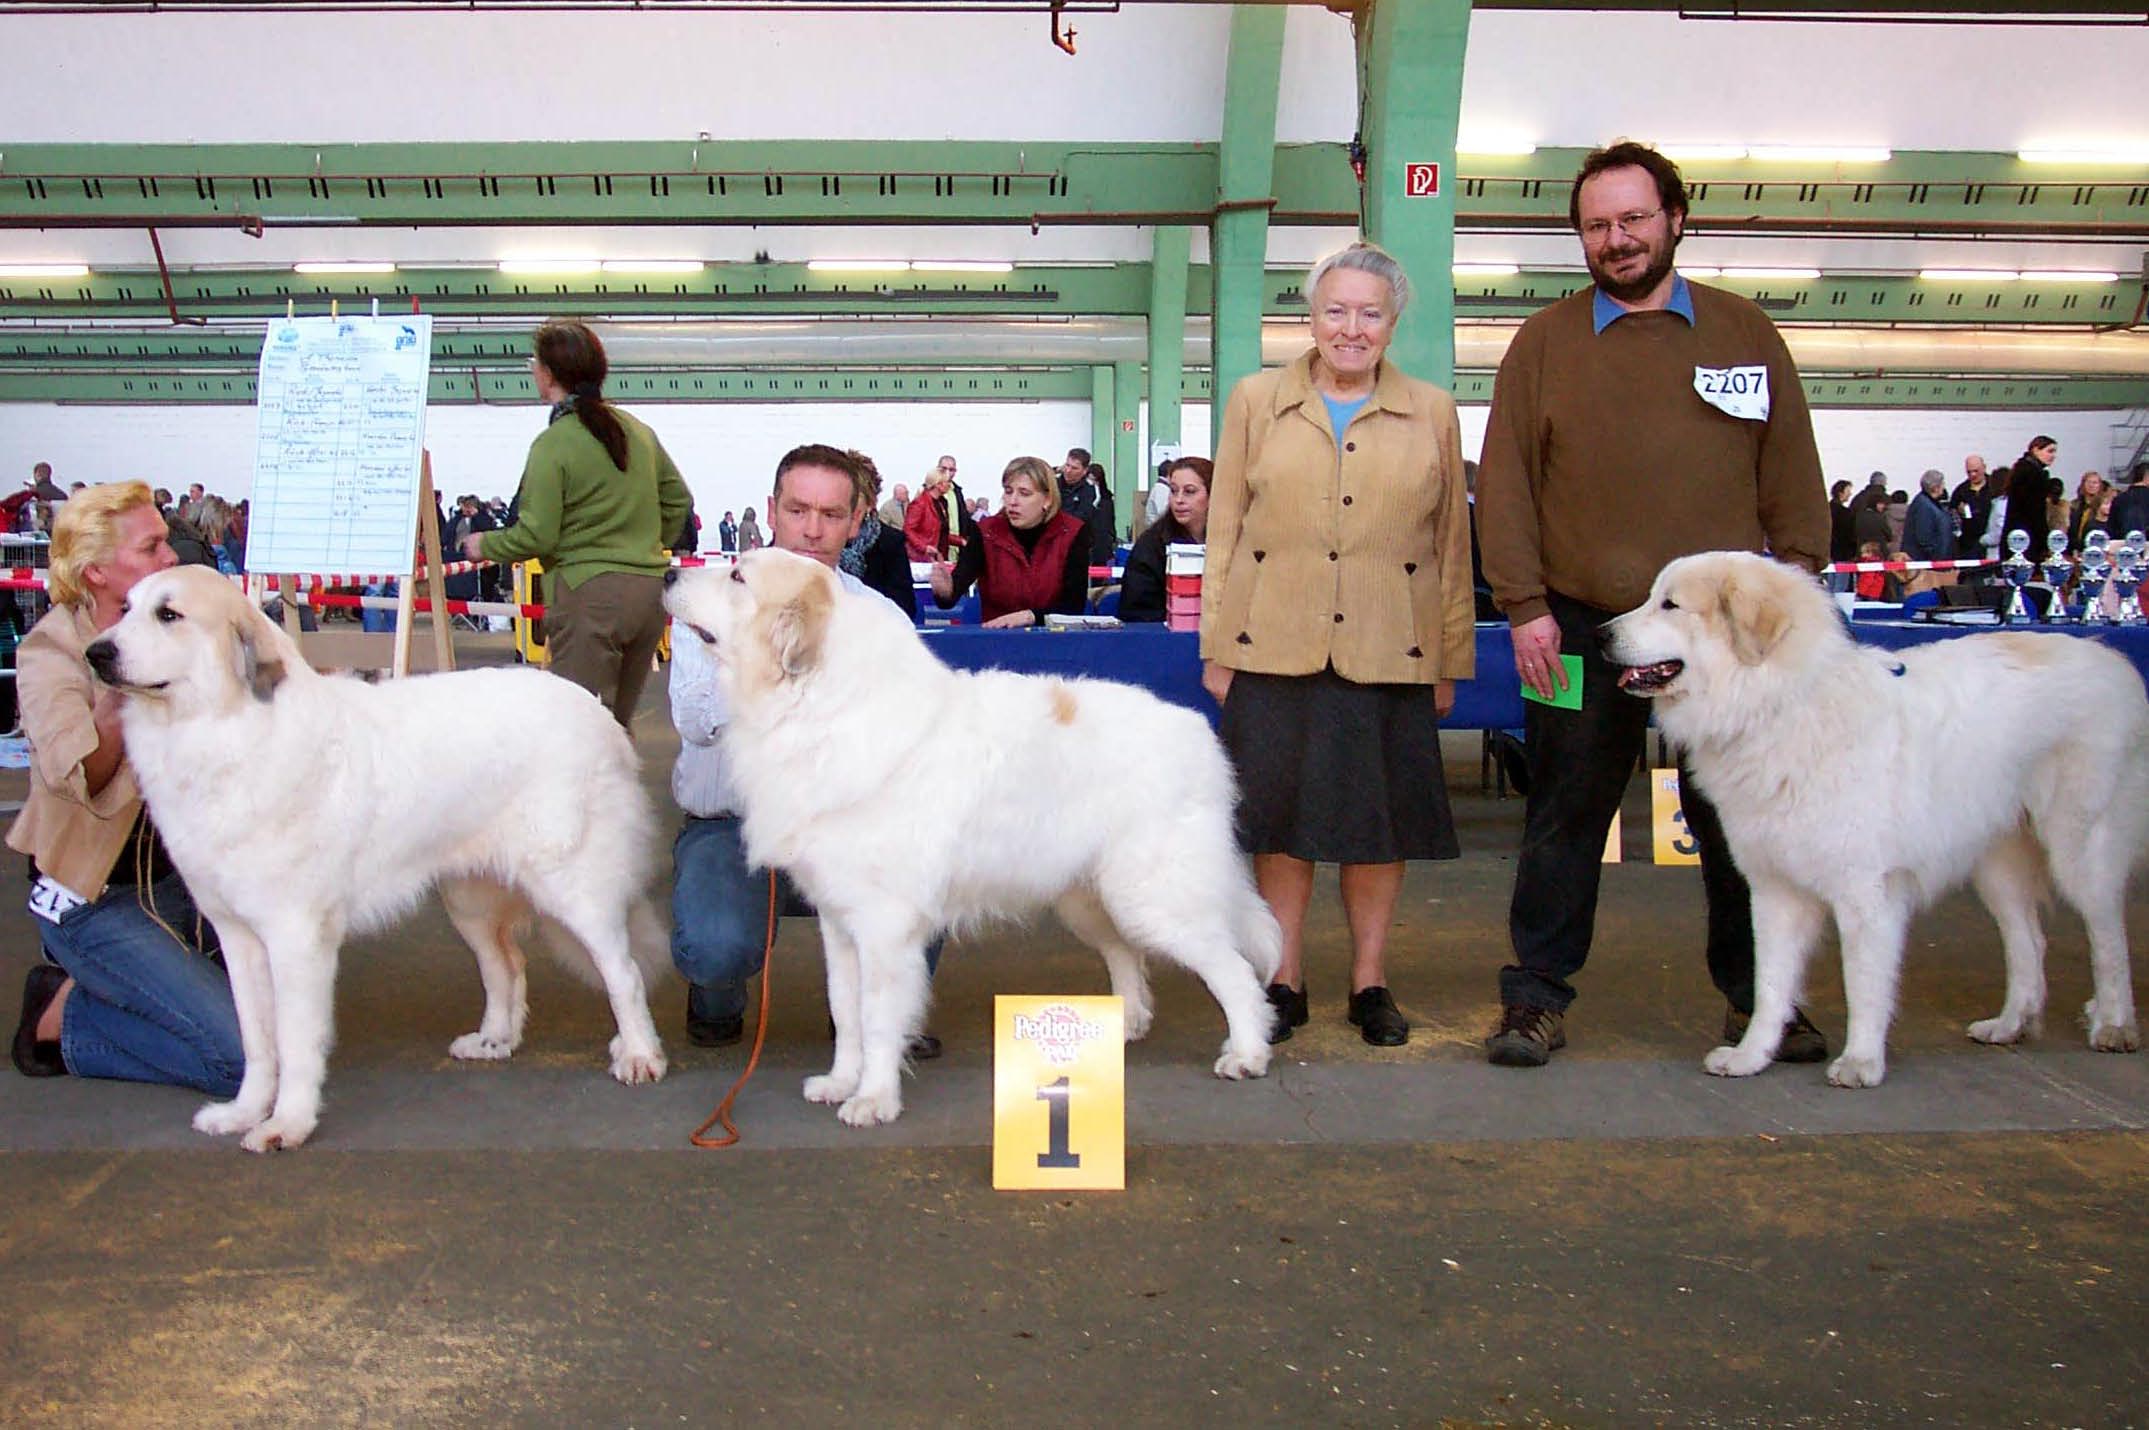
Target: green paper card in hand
<point>1568,699</point>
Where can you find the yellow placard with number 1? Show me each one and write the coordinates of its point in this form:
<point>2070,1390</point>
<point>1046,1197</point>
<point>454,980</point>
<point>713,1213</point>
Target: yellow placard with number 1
<point>1059,1094</point>
<point>1675,843</point>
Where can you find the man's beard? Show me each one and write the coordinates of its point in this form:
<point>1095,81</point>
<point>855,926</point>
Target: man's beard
<point>1633,292</point>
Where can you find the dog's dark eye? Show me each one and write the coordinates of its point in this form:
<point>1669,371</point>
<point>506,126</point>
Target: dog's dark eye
<point>706,638</point>
<point>167,615</point>
<point>1668,605</point>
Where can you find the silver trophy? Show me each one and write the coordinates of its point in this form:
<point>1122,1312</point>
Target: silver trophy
<point>2127,578</point>
<point>2096,565</point>
<point>2017,570</point>
<point>2053,571</point>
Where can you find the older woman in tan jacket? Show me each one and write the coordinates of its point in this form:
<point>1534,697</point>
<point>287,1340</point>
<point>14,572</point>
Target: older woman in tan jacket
<point>1336,618</point>
<point>130,987</point>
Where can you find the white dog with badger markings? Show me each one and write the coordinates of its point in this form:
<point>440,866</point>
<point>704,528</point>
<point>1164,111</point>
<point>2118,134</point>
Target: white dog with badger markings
<point>302,807</point>
<point>1866,783</point>
<point>902,798</point>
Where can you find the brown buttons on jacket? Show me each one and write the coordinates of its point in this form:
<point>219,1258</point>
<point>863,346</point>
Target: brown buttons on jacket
<point>1259,554</point>
<point>1346,501</point>
<point>1339,618</point>
<point>1410,568</point>
<point>1350,446</point>
<point>1245,639</point>
<point>1414,653</point>
<point>1332,556</point>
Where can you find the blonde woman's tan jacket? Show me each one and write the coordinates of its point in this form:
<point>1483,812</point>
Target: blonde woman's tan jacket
<point>1356,556</point>
<point>74,836</point>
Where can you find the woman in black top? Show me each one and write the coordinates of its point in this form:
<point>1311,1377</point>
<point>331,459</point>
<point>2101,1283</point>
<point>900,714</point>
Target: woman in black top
<point>1186,521</point>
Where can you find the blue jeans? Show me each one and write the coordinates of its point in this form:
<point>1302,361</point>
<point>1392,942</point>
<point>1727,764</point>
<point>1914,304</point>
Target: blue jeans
<point>720,916</point>
<point>145,1007</point>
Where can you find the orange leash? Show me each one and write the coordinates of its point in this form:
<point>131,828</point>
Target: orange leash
<point>761,1032</point>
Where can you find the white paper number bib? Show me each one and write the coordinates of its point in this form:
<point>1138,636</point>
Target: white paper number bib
<point>1740,391</point>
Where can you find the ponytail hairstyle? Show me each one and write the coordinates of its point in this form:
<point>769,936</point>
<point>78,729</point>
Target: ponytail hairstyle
<point>574,357</point>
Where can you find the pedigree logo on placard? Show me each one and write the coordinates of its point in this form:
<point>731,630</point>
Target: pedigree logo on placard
<point>1059,1117</point>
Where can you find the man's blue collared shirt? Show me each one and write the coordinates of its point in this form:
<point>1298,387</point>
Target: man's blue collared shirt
<point>1604,312</point>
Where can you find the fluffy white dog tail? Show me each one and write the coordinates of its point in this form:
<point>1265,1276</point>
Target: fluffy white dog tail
<point>1260,936</point>
<point>648,943</point>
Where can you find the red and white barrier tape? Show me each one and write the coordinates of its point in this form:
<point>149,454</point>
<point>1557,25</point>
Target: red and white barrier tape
<point>1907,565</point>
<point>420,603</point>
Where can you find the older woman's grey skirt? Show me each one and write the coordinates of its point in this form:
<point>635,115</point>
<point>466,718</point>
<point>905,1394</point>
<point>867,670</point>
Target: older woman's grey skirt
<point>1337,772</point>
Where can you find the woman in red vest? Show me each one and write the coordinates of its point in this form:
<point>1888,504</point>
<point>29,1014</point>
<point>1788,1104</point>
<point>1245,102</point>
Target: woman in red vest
<point>1031,558</point>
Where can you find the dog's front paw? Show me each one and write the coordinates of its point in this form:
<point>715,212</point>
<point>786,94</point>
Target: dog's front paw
<point>1137,1022</point>
<point>481,1047</point>
<point>830,1088</point>
<point>2112,1037</point>
<point>1850,1071</point>
<point>221,1119</point>
<point>278,1134</point>
<point>868,1109</point>
<point>631,1066</point>
<point>1733,1061</point>
<point>1235,1066</point>
<point>1998,1031</point>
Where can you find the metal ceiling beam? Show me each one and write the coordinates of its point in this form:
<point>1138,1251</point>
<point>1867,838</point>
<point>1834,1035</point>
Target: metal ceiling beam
<point>1938,11</point>
<point>249,187</point>
<point>751,290</point>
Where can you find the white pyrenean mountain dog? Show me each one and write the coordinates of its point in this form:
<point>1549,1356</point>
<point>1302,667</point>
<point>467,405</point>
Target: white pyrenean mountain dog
<point>1866,783</point>
<point>903,798</point>
<point>302,807</point>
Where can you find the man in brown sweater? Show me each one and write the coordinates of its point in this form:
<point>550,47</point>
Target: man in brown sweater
<point>1643,419</point>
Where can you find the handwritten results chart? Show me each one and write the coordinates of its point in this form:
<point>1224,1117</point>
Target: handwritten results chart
<point>340,435</point>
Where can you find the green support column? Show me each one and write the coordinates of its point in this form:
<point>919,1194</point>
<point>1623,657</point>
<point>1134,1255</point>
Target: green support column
<point>1103,415</point>
<point>1126,458</point>
<point>1246,163</point>
<point>1410,55</point>
<point>1167,340</point>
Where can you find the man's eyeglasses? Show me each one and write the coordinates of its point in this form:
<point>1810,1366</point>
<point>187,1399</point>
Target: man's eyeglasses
<point>1597,230</point>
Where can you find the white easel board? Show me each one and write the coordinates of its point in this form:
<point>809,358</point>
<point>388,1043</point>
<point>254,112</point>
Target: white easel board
<point>339,436</point>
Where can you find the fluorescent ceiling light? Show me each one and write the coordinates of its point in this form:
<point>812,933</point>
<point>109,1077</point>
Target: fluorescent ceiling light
<point>1703,151</point>
<point>2067,275</point>
<point>858,265</point>
<point>44,270</point>
<point>2138,155</point>
<point>343,268</point>
<point>1812,153</point>
<point>651,265</point>
<point>957,265</point>
<point>1700,272</point>
<point>549,267</point>
<point>1765,273</point>
<point>1969,275</point>
<point>1487,270</point>
<point>1490,146</point>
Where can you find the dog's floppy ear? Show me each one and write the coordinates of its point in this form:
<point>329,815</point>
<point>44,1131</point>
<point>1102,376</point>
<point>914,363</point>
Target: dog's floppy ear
<point>797,628</point>
<point>1755,617</point>
<point>255,657</point>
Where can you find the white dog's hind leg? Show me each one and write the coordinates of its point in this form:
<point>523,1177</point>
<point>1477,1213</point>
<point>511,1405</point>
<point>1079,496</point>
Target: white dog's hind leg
<point>486,914</point>
<point>2094,879</point>
<point>254,994</point>
<point>1087,920</point>
<point>302,963</point>
<point>1787,920</point>
<point>598,919</point>
<point>1164,909</point>
<point>1873,936</point>
<point>840,955</point>
<point>2010,880</point>
<point>892,993</point>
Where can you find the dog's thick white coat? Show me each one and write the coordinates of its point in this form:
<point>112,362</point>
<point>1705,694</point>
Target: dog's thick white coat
<point>903,797</point>
<point>1865,784</point>
<point>302,808</point>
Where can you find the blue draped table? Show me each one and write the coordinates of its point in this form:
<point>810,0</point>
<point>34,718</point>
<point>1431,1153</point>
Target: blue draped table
<point>1168,662</point>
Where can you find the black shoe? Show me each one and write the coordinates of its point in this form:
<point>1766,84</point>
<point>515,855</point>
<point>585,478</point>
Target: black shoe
<point>1290,1006</point>
<point>36,1057</point>
<point>1514,761</point>
<point>1802,1042</point>
<point>1527,1037</point>
<point>1377,1018</point>
<point>714,1032</point>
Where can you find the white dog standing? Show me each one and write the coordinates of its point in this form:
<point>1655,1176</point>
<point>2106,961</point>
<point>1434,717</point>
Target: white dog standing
<point>301,808</point>
<point>1867,783</point>
<point>903,798</point>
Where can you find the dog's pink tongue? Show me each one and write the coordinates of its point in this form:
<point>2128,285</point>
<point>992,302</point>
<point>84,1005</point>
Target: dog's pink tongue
<point>1628,676</point>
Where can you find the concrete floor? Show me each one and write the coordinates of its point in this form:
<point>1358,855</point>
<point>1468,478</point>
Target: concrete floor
<point>1366,1237</point>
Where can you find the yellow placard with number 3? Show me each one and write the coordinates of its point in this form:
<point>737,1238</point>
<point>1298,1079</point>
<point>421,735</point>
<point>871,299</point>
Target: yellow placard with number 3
<point>1675,843</point>
<point>1059,1094</point>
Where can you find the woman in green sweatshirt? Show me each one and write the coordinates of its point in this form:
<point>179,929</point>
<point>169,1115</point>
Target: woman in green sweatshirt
<point>600,504</point>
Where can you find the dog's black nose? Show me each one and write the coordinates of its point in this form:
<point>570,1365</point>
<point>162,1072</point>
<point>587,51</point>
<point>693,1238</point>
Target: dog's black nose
<point>1604,639</point>
<point>103,657</point>
<point>671,576</point>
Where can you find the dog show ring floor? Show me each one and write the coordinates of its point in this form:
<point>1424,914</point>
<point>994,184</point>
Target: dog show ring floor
<point>1365,1237</point>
